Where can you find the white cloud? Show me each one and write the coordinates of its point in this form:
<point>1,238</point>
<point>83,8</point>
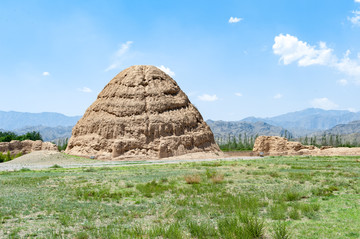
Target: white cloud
<point>45,73</point>
<point>355,19</point>
<point>323,103</point>
<point>278,96</point>
<point>238,94</point>
<point>85,90</point>
<point>357,1</point>
<point>235,19</point>
<point>342,82</point>
<point>291,49</point>
<point>166,70</point>
<point>206,97</point>
<point>349,66</point>
<point>119,55</point>
<point>352,110</point>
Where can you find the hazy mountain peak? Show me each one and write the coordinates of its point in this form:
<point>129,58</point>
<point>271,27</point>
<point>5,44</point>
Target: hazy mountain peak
<point>309,119</point>
<point>14,120</point>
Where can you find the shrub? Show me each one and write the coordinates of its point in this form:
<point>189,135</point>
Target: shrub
<point>81,235</point>
<point>62,144</point>
<point>153,187</point>
<point>25,170</point>
<point>274,174</point>
<point>291,195</point>
<point>278,211</point>
<point>281,231</point>
<point>309,209</point>
<point>294,214</point>
<point>56,166</point>
<point>129,185</point>
<point>97,193</point>
<point>8,157</point>
<point>210,173</point>
<point>202,230</point>
<point>192,179</point>
<point>254,227</point>
<point>325,191</point>
<point>231,228</point>
<point>218,178</point>
<point>173,231</point>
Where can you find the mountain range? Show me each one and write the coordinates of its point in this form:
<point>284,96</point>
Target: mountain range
<point>16,120</point>
<point>47,133</point>
<point>223,129</point>
<point>298,124</point>
<point>54,126</point>
<point>309,119</point>
<point>349,128</point>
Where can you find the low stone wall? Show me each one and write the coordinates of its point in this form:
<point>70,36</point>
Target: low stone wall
<point>26,146</point>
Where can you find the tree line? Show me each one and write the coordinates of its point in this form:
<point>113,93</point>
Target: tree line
<point>236,143</point>
<point>243,142</point>
<point>8,136</point>
<point>329,140</point>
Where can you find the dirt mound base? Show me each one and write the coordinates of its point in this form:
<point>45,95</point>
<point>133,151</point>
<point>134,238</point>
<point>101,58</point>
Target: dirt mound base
<point>277,146</point>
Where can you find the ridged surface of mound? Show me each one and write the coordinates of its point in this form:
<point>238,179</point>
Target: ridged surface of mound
<point>141,112</point>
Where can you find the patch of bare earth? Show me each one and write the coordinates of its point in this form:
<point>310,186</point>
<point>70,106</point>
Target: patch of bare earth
<point>46,159</point>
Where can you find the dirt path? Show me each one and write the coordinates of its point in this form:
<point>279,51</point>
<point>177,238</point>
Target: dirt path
<point>47,159</point>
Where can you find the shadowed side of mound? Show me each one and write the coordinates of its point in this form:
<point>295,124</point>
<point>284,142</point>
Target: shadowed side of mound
<point>141,113</point>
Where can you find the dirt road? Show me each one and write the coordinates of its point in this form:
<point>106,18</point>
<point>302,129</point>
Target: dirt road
<point>47,159</point>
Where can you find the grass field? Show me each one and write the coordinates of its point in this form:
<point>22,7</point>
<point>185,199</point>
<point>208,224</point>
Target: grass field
<point>273,197</point>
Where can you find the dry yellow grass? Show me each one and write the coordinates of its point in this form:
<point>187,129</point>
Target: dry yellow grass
<point>192,179</point>
<point>217,178</point>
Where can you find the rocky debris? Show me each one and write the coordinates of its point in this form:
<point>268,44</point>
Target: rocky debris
<point>26,146</point>
<point>276,146</point>
<point>141,112</point>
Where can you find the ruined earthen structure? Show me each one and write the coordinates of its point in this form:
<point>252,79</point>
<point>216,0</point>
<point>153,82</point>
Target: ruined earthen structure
<point>26,146</point>
<point>142,112</point>
<point>276,146</point>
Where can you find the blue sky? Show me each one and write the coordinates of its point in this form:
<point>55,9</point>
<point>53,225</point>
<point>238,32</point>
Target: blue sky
<point>233,59</point>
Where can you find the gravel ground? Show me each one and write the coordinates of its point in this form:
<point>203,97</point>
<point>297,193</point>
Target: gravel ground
<point>47,159</point>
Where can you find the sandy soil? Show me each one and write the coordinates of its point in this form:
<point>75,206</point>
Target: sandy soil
<point>47,159</point>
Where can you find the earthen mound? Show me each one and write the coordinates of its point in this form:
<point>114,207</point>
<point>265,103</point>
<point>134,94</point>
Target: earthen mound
<point>26,146</point>
<point>275,146</point>
<point>142,112</point>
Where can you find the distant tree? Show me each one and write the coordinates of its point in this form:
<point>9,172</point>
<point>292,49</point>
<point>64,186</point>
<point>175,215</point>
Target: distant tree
<point>306,140</point>
<point>331,140</point>
<point>251,142</point>
<point>234,143</point>
<point>240,143</point>
<point>323,139</point>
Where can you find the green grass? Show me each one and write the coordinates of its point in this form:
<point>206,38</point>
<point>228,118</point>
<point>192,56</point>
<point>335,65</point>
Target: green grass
<point>8,157</point>
<point>273,197</point>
